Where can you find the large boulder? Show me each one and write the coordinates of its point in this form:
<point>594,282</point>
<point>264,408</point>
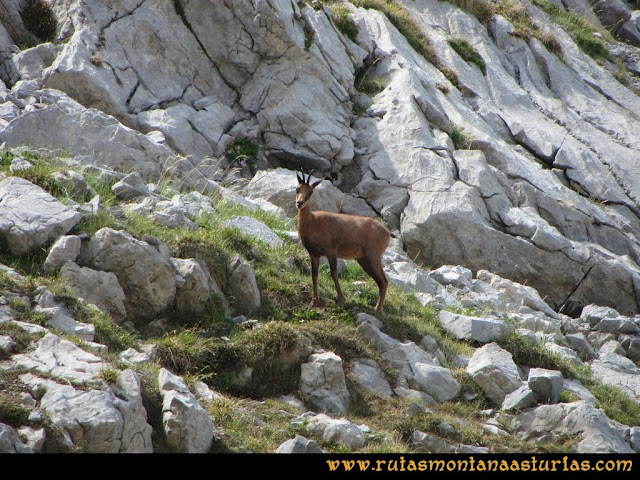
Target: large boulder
<point>30,218</point>
<point>193,293</point>
<point>187,426</point>
<point>323,385</point>
<point>243,286</point>
<point>416,368</point>
<point>96,287</point>
<point>66,127</point>
<point>494,370</point>
<point>144,273</point>
<point>592,429</point>
<point>109,420</point>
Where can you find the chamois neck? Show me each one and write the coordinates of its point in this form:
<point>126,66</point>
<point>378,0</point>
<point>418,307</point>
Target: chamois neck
<point>304,216</point>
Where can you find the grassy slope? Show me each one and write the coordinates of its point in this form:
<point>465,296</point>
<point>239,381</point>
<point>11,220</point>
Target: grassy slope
<point>193,346</point>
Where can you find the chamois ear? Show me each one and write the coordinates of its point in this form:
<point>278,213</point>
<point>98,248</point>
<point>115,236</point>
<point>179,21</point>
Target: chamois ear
<point>315,184</point>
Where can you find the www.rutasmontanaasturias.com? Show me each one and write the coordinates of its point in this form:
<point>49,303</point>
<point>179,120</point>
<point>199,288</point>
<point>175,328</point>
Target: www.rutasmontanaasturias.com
<point>471,464</point>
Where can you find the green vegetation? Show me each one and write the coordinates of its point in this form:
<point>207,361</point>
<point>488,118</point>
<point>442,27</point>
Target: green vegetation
<point>369,84</point>
<point>580,28</point>
<point>243,152</point>
<point>343,22</point>
<point>468,53</point>
<point>461,140</point>
<point>405,23</point>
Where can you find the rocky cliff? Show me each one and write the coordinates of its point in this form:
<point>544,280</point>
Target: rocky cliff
<point>500,141</point>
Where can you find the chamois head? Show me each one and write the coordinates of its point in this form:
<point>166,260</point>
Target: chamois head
<point>305,190</point>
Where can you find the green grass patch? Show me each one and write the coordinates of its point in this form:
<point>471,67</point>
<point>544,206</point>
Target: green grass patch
<point>528,353</point>
<point>342,20</point>
<point>369,84</point>
<point>405,23</point>
<point>468,53</point>
<point>243,152</point>
<point>617,405</point>
<point>580,28</point>
<point>461,140</point>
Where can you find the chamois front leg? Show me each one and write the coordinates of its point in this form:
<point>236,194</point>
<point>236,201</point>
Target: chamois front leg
<point>333,265</point>
<point>315,267</point>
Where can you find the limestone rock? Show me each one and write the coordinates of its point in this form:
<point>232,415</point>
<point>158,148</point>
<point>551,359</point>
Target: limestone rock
<point>194,293</point>
<point>146,277</point>
<point>370,377</point>
<point>65,249</point>
<point>31,218</point>
<point>337,430</point>
<point>60,358</point>
<point>589,424</point>
<point>255,228</point>
<point>10,442</point>
<point>545,384</point>
<point>112,420</point>
<point>188,427</point>
<point>493,369</point>
<point>243,286</point>
<point>322,382</point>
<point>483,330</point>
<point>299,444</point>
<point>96,287</point>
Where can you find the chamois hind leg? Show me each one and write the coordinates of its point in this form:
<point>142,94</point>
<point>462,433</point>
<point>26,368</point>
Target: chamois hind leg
<point>315,266</point>
<point>375,271</point>
<point>333,265</point>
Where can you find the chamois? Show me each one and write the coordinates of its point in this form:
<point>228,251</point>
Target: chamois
<point>338,235</point>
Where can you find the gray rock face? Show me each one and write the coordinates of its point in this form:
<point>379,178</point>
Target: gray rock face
<point>145,275</point>
<point>107,419</point>
<point>65,249</point>
<point>60,358</point>
<point>255,228</point>
<point>112,420</point>
<point>299,444</point>
<point>61,318</point>
<point>278,186</point>
<point>337,431</point>
<point>130,187</point>
<point>188,427</point>
<point>243,286</point>
<point>589,424</point>
<point>417,369</point>
<point>323,384</point>
<point>612,13</point>
<point>545,384</point>
<point>493,369</point>
<point>613,369</point>
<point>193,294</point>
<point>483,330</point>
<point>10,442</point>
<point>430,444</point>
<point>87,132</point>
<point>519,399</point>
<point>96,287</point>
<point>30,218</point>
<point>370,377</point>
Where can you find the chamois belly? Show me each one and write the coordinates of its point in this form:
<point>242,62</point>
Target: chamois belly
<point>346,251</point>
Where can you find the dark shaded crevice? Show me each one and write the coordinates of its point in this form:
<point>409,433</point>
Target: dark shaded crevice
<point>568,306</point>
